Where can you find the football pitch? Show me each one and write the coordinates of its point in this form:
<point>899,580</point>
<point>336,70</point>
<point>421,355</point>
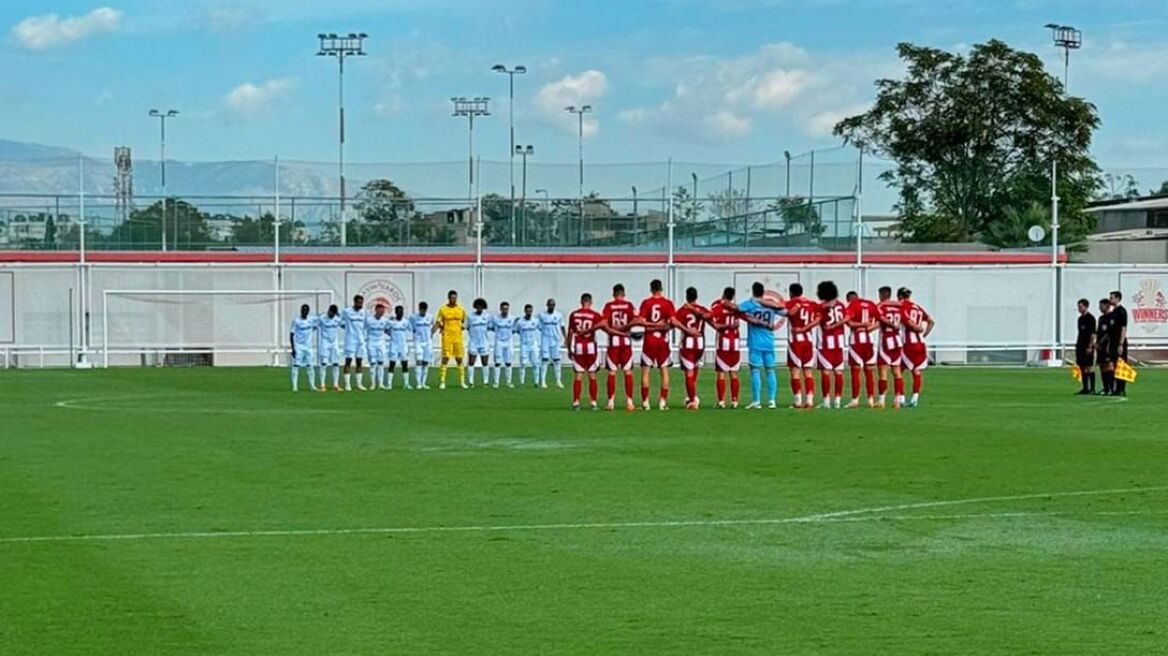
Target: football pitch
<point>212,511</point>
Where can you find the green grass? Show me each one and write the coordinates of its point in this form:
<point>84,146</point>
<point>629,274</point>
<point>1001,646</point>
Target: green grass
<point>181,451</point>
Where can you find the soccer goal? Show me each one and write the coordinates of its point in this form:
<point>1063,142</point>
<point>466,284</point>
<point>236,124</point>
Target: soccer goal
<point>201,327</point>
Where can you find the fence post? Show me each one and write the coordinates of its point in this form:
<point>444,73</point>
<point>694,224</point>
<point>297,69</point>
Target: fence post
<point>669,217</point>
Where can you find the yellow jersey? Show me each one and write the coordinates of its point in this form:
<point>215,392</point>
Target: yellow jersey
<point>450,319</point>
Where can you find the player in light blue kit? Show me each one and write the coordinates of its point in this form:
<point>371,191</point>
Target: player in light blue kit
<point>329,329</point>
<point>528,327</point>
<point>353,321</point>
<point>551,338</point>
<point>399,351</point>
<point>301,339</point>
<point>760,316</point>
<point>503,325</point>
<point>478,351</point>
<point>376,328</point>
<point>422,325</point>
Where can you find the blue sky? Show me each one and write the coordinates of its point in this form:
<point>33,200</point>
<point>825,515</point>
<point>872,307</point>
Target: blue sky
<point>726,81</point>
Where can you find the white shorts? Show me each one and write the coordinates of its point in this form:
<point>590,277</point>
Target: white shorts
<point>303,357</point>
<point>528,355</point>
<point>503,354</point>
<point>423,352</point>
<point>397,352</point>
<point>330,354</point>
<point>549,351</point>
<point>376,354</point>
<point>354,350</point>
<point>478,348</point>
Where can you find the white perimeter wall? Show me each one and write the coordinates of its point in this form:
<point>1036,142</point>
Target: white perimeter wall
<point>1007,307</point>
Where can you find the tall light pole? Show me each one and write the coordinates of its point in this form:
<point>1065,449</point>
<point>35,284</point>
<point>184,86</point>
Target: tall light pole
<point>580,112</point>
<point>341,47</point>
<point>1067,38</point>
<point>524,152</point>
<point>511,73</point>
<point>787,156</point>
<point>470,108</point>
<point>162,115</point>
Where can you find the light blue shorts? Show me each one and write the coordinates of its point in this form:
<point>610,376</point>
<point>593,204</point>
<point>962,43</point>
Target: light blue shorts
<point>763,359</point>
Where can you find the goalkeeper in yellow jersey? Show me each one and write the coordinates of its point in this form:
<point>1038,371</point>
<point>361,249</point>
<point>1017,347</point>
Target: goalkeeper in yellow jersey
<point>451,321</point>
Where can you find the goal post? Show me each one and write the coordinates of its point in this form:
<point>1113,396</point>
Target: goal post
<point>187,326</point>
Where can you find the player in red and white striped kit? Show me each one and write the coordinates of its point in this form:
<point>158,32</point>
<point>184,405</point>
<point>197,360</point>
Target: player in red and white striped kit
<point>582,349</point>
<point>802,317</point>
<point>691,320</point>
<point>917,326</point>
<point>890,350</point>
<point>726,320</point>
<point>832,342</point>
<point>862,320</point>
<point>619,315</point>
<point>656,315</point>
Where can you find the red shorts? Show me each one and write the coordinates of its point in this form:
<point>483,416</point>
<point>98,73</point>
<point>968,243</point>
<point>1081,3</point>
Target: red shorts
<point>800,355</point>
<point>655,353</point>
<point>618,358</point>
<point>891,351</point>
<point>862,355</point>
<point>915,356</point>
<point>727,360</point>
<point>690,358</point>
<point>831,359</point>
<point>584,357</point>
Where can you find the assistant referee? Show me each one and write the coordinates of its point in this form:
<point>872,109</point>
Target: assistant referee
<point>1085,347</point>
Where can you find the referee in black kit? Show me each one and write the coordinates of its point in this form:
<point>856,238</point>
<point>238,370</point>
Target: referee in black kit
<point>1106,350</point>
<point>1085,347</point>
<point>1119,334</point>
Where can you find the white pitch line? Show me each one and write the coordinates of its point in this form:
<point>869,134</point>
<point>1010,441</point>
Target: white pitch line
<point>87,404</point>
<point>857,515</point>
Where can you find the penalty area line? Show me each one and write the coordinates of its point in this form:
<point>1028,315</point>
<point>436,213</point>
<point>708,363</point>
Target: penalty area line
<point>878,513</point>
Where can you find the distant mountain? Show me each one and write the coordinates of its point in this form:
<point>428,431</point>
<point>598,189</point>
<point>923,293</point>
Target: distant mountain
<point>16,150</point>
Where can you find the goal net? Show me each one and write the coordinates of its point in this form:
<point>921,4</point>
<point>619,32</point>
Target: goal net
<point>201,327</point>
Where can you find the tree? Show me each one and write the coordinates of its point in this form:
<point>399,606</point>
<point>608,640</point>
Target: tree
<point>383,210</point>
<point>798,213</point>
<point>729,203</point>
<point>686,209</point>
<point>261,231</point>
<point>1163,190</point>
<point>1118,187</point>
<point>972,137</point>
<point>186,226</point>
<point>50,232</point>
<point>1012,231</point>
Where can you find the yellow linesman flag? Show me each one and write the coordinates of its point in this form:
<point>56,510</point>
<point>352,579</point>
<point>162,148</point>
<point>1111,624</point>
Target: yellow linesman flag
<point>1076,372</point>
<point>1125,372</point>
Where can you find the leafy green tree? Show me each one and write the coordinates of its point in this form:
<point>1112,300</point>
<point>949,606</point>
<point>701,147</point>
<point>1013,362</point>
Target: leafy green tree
<point>972,137</point>
<point>186,226</point>
<point>50,232</point>
<point>1163,190</point>
<point>262,231</point>
<point>1118,186</point>
<point>728,203</point>
<point>1012,231</point>
<point>800,215</point>
<point>383,211</point>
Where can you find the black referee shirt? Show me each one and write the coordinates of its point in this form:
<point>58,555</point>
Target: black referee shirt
<point>1086,330</point>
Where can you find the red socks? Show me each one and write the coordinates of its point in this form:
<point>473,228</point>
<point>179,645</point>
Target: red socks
<point>839,384</point>
<point>899,386</point>
<point>735,385</point>
<point>883,387</point>
<point>611,386</point>
<point>593,389</point>
<point>577,384</point>
<point>869,381</point>
<point>916,382</point>
<point>856,383</point>
<point>691,384</point>
<point>644,393</point>
<point>796,384</point>
<point>720,384</point>
<point>628,385</point>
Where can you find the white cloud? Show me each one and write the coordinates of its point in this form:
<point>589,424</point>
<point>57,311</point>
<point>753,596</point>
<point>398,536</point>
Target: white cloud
<point>728,124</point>
<point>581,89</point>
<point>51,31</point>
<point>249,100</point>
<point>725,97</point>
<point>231,17</point>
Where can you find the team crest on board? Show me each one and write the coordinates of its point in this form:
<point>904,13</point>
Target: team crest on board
<point>384,292</point>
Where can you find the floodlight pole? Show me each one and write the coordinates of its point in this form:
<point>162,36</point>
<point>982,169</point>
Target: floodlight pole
<point>162,115</point>
<point>511,73</point>
<point>1068,38</point>
<point>470,108</point>
<point>341,47</point>
<point>580,112</point>
<point>524,152</point>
